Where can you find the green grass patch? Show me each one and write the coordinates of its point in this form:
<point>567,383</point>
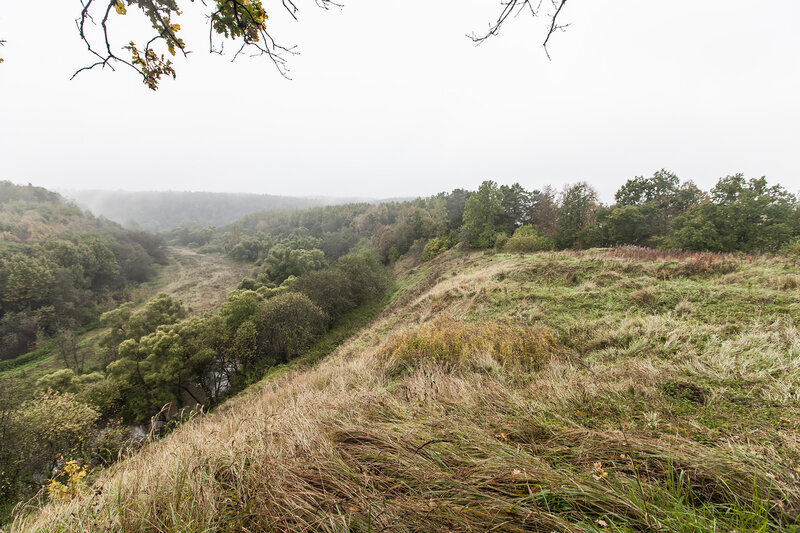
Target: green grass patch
<point>26,360</point>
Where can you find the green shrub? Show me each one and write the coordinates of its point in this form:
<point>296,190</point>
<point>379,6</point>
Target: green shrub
<point>436,246</point>
<point>527,239</point>
<point>287,323</point>
<point>364,269</point>
<point>330,289</point>
<point>792,249</point>
<point>500,241</point>
<point>60,381</point>
<point>52,424</point>
<point>249,284</point>
<point>112,442</point>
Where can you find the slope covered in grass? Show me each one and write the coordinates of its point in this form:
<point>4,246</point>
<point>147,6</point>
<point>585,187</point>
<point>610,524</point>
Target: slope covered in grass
<point>603,390</point>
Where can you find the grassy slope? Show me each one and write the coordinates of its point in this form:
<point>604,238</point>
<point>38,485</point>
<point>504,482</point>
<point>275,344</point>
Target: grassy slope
<point>567,392</point>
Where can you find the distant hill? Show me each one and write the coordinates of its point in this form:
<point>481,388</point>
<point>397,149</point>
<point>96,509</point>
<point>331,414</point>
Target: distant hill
<point>161,210</point>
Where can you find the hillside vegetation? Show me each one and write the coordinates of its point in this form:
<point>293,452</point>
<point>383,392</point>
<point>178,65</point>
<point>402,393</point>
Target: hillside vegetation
<point>72,365</point>
<point>599,319</point>
<point>660,211</point>
<point>61,266</point>
<point>604,390</point>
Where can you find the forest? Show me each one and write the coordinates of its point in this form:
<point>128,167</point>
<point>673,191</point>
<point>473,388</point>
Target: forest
<point>60,265</point>
<point>660,211</point>
<point>65,273</point>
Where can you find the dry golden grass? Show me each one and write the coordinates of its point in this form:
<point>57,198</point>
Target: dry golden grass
<point>201,281</point>
<point>453,345</point>
<point>454,412</point>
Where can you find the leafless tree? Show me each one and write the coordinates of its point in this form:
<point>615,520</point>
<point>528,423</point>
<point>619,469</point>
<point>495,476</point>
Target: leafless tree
<point>70,352</point>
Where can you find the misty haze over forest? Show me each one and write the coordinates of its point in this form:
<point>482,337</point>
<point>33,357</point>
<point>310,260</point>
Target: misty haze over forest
<point>162,210</point>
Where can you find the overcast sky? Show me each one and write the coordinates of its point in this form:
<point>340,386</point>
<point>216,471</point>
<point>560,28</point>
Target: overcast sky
<point>391,99</point>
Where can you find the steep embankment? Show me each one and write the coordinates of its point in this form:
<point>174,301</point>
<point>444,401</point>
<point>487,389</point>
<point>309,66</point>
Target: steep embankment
<point>604,390</point>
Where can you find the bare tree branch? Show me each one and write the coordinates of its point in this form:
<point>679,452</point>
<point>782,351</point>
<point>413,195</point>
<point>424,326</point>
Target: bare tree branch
<point>515,7</point>
<point>553,25</point>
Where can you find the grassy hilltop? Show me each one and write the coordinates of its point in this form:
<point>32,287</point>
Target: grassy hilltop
<point>606,390</point>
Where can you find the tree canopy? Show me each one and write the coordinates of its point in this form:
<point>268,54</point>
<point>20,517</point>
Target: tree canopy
<point>59,266</point>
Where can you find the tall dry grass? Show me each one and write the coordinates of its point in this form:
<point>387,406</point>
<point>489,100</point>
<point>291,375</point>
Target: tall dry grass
<point>462,422</point>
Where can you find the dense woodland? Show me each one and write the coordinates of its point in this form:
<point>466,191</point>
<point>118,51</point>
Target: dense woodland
<point>661,211</point>
<point>60,268</point>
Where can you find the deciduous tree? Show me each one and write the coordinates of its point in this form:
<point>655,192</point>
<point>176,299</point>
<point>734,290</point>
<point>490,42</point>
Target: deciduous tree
<point>482,215</point>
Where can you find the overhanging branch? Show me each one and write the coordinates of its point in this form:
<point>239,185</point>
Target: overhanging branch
<point>514,8</point>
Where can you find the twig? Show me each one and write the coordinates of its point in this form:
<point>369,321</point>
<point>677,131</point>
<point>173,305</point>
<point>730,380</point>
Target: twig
<point>434,441</point>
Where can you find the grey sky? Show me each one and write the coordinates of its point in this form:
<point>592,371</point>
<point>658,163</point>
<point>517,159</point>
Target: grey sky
<point>391,99</point>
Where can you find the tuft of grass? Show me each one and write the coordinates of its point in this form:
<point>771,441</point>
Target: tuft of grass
<point>454,344</point>
<point>644,297</point>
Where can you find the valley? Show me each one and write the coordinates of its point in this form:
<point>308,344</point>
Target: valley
<point>619,390</point>
<point>201,281</point>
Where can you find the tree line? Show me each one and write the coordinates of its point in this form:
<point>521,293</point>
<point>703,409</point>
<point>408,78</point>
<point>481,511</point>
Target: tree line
<point>164,210</point>
<point>662,211</point>
<point>736,215</point>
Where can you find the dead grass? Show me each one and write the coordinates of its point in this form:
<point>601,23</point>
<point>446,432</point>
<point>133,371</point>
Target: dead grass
<point>201,281</point>
<point>453,344</point>
<point>640,253</point>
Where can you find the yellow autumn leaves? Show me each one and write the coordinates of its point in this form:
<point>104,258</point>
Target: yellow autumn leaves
<point>72,474</point>
<point>171,37</point>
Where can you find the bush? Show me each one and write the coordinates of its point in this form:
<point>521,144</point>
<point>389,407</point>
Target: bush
<point>792,249</point>
<point>283,261</point>
<point>500,241</point>
<point>287,323</point>
<point>99,392</point>
<point>249,284</point>
<point>364,269</point>
<point>330,289</point>
<point>527,239</point>
<point>60,381</point>
<point>52,424</point>
<point>436,246</point>
<point>112,442</point>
